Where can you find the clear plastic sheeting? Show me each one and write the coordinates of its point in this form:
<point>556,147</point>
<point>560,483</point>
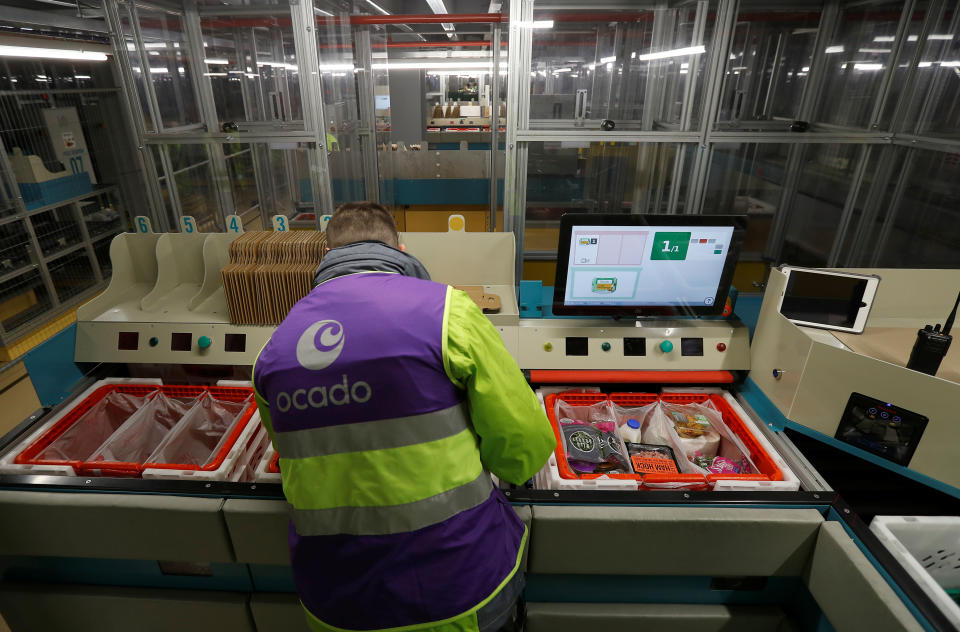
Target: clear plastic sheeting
<point>200,434</point>
<point>143,432</point>
<point>96,425</point>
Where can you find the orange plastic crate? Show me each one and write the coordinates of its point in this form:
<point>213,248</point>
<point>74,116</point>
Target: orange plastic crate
<point>274,466</point>
<point>767,468</point>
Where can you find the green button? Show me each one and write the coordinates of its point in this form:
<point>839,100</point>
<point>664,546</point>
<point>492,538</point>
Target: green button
<point>204,342</point>
<point>666,346</point>
<point>154,341</point>
<point>605,346</point>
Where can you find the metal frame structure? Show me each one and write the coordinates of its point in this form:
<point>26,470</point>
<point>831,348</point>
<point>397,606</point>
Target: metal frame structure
<point>871,171</point>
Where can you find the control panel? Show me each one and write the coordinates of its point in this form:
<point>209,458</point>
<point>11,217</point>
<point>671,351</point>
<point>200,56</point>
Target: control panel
<point>882,428</point>
<point>680,345</point>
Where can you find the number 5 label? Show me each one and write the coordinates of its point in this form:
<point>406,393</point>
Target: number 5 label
<point>280,224</point>
<point>188,224</point>
<point>142,224</point>
<point>234,224</point>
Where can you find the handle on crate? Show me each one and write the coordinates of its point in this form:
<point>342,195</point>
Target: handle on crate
<point>561,376</point>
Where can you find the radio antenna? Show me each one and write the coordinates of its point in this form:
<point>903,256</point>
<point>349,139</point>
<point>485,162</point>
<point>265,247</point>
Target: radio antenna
<point>949,324</point>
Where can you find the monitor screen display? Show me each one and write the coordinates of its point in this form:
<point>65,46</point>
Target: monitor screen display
<point>645,264</point>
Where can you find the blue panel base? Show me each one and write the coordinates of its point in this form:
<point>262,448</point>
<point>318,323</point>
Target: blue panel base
<point>271,578</point>
<point>37,194</point>
<point>107,572</point>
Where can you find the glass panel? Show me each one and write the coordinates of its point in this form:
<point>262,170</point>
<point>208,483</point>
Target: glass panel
<point>243,181</point>
<point>170,69</point>
<point>877,190</point>
<point>630,66</point>
<point>346,149</point>
<point>938,82</point>
<point>596,178</point>
<point>768,66</point>
<point>136,67</point>
<point>747,178</point>
<point>252,67</point>
<point>56,230</point>
<point>72,274</point>
<point>826,173</point>
<point>103,216</point>
<point>856,58</point>
<point>23,297</point>
<point>195,189</point>
<point>926,222</point>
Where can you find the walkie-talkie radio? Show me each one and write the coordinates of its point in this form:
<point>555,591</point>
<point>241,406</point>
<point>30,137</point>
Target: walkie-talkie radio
<point>932,345</point>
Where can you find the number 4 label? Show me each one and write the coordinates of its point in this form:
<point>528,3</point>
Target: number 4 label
<point>142,224</point>
<point>188,224</point>
<point>234,224</point>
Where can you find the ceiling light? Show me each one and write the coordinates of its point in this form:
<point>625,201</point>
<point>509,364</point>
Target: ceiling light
<point>950,64</point>
<point>322,12</point>
<point>81,76</point>
<point>925,64</point>
<point>875,50</point>
<point>562,70</point>
<point>217,62</point>
<point>833,49</point>
<point>51,53</point>
<point>378,7</point>
<point>677,52</point>
<point>857,66</point>
<point>158,71</point>
<point>805,69</point>
<point>607,60</point>
<point>214,74</point>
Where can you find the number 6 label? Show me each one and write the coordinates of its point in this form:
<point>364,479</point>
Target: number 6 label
<point>188,224</point>
<point>142,223</point>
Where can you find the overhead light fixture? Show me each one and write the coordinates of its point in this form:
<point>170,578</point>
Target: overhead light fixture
<point>607,60</point>
<point>51,53</point>
<point>377,7</point>
<point>805,69</point>
<point>830,50</point>
<point>433,65</point>
<point>216,62</point>
<point>535,24</point>
<point>214,74</point>
<point>677,52</point>
<point>857,66</point>
<point>322,12</point>
<point>494,6</point>
<point>159,71</point>
<point>330,67</point>
<point>925,64</point>
<point>950,64</point>
<point>875,50</point>
<point>81,76</point>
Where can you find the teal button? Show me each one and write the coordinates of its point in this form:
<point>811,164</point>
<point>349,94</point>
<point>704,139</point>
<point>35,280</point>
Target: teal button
<point>666,346</point>
<point>204,342</point>
<point>605,346</point>
<point>154,341</point>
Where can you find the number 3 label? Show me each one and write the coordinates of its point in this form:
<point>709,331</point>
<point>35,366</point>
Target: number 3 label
<point>280,223</point>
<point>188,224</point>
<point>142,223</point>
<point>234,224</point>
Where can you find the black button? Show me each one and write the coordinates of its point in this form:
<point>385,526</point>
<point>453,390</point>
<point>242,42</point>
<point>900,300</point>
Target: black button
<point>691,346</point>
<point>128,341</point>
<point>577,346</point>
<point>634,346</point>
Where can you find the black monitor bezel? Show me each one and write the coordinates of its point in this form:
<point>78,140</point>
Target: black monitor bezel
<point>569,220</point>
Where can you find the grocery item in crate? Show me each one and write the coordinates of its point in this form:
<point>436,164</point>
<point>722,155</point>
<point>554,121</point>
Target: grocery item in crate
<point>142,433</point>
<point>722,465</point>
<point>200,433</point>
<point>652,459</point>
<point>593,447</point>
<point>81,439</point>
<point>630,432</point>
<point>690,427</point>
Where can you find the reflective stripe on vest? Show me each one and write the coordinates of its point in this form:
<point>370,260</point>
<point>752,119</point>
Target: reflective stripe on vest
<point>385,520</point>
<point>373,435</point>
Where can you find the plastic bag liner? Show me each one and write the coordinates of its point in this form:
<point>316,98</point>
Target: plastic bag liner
<point>198,437</point>
<point>698,435</point>
<point>142,433</point>
<point>89,431</point>
<point>590,440</point>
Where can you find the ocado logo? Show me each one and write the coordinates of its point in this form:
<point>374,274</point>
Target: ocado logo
<point>320,345</point>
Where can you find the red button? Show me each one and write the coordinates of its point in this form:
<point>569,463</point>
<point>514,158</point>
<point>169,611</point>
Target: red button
<point>721,346</point>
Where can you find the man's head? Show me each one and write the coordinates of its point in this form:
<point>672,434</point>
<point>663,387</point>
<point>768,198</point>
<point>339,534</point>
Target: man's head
<point>361,221</point>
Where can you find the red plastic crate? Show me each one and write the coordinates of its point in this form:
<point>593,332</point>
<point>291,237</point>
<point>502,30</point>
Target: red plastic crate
<point>768,470</point>
<point>112,468</point>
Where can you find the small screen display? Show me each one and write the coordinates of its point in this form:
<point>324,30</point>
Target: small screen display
<point>645,264</point>
<point>882,428</point>
<point>825,299</point>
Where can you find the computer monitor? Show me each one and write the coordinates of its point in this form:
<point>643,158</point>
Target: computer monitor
<point>645,265</point>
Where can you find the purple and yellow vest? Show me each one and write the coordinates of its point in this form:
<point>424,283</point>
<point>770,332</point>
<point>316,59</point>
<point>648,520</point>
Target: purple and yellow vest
<point>394,521</point>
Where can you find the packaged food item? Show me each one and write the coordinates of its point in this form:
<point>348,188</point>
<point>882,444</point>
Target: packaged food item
<point>690,427</point>
<point>720,465</point>
<point>630,431</point>
<point>652,459</point>
<point>593,448</point>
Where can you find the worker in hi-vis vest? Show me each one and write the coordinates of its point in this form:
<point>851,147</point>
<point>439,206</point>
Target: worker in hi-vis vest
<point>391,399</point>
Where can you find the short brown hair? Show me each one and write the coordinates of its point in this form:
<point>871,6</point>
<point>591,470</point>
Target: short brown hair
<point>361,221</point>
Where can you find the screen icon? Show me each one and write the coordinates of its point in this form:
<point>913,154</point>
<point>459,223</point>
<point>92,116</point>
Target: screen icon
<point>670,246</point>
